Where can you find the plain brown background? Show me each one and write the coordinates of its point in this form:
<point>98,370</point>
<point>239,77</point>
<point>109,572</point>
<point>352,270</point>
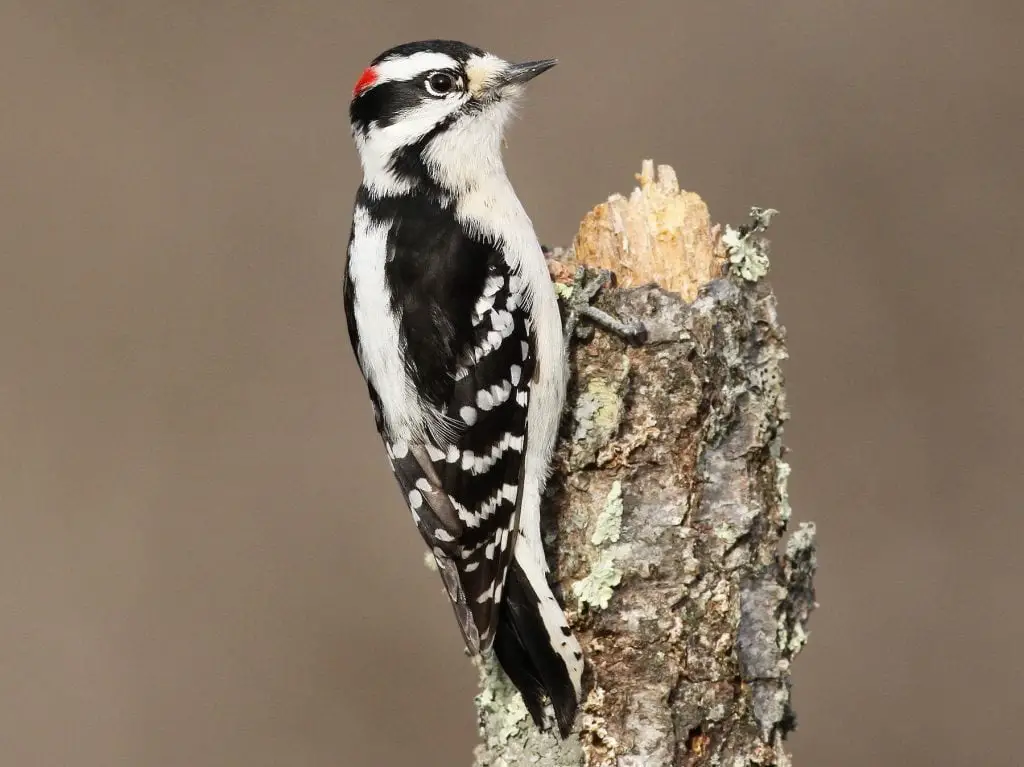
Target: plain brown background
<point>203,560</point>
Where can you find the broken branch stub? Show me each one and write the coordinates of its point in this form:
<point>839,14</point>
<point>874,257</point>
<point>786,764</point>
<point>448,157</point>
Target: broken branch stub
<point>659,234</point>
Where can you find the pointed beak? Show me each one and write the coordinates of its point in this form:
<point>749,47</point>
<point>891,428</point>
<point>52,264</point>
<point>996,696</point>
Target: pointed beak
<point>518,74</point>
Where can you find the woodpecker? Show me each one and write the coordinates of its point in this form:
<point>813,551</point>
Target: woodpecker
<point>455,325</point>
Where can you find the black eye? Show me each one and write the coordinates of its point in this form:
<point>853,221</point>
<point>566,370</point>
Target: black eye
<point>439,83</point>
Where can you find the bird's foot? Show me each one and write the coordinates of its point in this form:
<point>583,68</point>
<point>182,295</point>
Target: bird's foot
<point>578,304</point>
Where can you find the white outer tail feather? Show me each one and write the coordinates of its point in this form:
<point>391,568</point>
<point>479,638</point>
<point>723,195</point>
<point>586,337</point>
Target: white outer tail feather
<point>565,644</point>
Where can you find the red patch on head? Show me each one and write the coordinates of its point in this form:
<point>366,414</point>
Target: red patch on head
<point>368,78</point>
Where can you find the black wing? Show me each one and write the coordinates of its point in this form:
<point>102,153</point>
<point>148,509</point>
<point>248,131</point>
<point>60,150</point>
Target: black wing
<point>463,483</point>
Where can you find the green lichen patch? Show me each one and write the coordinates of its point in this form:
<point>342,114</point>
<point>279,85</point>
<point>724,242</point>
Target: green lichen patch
<point>508,735</point>
<point>748,255</point>
<point>597,415</point>
<point>782,472</point>
<point>609,521</point>
<point>597,588</point>
<point>498,703</point>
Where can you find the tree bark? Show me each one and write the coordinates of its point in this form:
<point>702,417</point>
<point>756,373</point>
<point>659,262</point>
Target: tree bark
<point>668,504</point>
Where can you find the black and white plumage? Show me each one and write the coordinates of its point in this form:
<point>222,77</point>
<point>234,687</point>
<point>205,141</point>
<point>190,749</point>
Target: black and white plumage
<point>454,322</point>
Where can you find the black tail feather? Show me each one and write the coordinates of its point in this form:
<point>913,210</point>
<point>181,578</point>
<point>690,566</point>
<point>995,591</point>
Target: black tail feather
<point>526,654</point>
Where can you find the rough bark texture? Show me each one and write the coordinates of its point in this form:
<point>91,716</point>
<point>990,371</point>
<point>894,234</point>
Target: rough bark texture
<point>668,509</point>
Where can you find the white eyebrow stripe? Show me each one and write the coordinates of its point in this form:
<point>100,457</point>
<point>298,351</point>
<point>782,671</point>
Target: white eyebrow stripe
<point>408,67</point>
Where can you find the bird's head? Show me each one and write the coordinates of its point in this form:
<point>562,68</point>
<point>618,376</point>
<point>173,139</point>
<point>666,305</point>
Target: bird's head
<point>432,113</point>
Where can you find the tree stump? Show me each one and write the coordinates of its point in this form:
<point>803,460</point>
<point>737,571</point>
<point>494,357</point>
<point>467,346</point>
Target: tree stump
<point>668,507</point>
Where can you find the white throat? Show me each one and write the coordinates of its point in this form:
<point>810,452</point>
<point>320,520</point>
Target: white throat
<point>468,154</point>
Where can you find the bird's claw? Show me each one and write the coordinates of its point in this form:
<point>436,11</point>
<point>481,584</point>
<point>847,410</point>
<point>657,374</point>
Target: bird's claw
<point>579,307</point>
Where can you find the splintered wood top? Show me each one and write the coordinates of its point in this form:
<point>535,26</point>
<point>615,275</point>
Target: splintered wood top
<point>658,234</point>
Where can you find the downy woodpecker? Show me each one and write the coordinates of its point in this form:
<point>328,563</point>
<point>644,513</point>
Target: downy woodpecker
<point>456,328</point>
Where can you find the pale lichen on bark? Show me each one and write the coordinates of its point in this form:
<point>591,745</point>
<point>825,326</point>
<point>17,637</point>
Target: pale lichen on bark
<point>668,506</point>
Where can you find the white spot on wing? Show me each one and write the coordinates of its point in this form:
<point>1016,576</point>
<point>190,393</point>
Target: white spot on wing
<point>493,285</point>
<point>511,492</point>
<point>484,463</point>
<point>502,322</point>
<point>486,347</point>
<point>468,414</point>
<point>471,519</point>
<point>483,305</point>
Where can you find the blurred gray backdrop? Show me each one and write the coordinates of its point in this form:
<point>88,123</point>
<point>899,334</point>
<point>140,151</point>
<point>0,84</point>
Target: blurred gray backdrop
<point>203,559</point>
